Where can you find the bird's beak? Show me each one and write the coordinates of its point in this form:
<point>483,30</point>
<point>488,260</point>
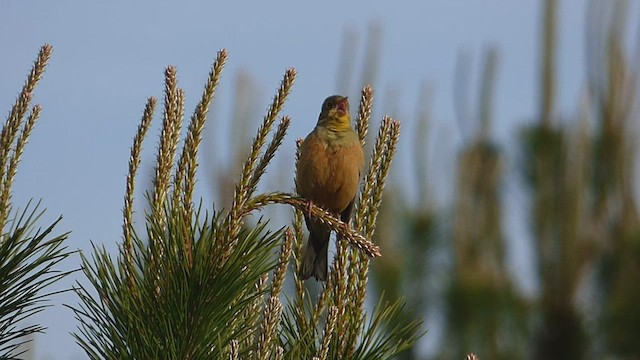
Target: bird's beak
<point>342,107</point>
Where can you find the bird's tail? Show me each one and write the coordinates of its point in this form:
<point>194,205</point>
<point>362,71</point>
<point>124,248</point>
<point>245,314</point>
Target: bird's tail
<point>315,258</point>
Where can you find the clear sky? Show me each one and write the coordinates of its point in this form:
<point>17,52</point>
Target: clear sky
<point>109,56</point>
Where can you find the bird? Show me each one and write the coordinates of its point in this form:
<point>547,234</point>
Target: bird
<point>328,174</point>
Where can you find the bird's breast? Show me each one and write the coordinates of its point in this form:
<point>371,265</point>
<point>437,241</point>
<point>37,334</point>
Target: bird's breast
<point>329,171</point>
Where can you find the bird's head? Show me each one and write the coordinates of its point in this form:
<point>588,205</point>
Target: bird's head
<point>335,113</point>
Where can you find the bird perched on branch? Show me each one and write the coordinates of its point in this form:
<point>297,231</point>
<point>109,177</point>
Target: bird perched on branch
<point>328,173</point>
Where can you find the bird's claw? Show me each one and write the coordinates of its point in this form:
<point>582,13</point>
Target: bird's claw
<point>309,206</point>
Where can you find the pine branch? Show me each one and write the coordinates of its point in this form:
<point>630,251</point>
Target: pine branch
<point>197,286</point>
<point>10,129</point>
<point>29,256</point>
<point>353,237</point>
<point>251,169</point>
<point>134,163</point>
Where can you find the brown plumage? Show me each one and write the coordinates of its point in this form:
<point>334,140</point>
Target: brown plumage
<point>328,173</point>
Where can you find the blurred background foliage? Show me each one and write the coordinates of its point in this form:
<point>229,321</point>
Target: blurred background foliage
<point>576,179</point>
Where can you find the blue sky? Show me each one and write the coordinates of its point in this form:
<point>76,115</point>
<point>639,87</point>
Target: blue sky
<point>109,57</point>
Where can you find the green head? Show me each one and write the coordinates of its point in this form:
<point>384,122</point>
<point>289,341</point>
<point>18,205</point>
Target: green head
<point>335,113</point>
